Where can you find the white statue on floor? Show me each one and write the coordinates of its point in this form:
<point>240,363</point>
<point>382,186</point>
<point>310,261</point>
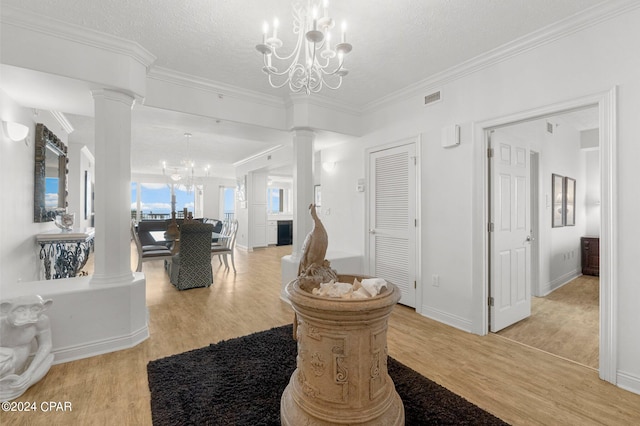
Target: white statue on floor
<point>23,329</point>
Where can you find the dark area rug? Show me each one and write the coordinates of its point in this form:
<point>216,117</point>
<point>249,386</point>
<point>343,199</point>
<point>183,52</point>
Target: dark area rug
<point>240,381</point>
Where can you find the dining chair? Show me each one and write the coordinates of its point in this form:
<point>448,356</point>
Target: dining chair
<point>191,266</point>
<point>224,232</point>
<point>148,252</point>
<point>227,245</point>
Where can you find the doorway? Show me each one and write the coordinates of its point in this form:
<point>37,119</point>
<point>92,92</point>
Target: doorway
<point>605,103</point>
<point>561,316</point>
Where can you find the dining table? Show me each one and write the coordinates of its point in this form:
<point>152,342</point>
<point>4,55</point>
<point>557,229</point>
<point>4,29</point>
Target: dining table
<point>162,238</point>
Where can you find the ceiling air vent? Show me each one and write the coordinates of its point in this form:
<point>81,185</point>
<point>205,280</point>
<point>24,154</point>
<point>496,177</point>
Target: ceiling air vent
<point>432,98</point>
<point>549,127</point>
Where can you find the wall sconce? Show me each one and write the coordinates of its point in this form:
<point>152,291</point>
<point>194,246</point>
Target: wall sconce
<point>329,166</point>
<point>15,131</point>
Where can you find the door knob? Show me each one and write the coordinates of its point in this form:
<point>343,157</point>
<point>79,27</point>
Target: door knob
<point>372,231</point>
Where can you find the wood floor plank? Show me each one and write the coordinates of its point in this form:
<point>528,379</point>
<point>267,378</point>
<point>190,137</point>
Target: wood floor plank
<point>564,323</point>
<point>521,385</point>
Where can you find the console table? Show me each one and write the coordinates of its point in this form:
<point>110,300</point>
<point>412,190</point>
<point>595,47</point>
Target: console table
<point>68,250</point>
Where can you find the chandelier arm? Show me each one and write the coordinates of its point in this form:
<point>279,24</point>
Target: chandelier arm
<point>295,51</point>
<point>323,66</point>
<point>315,76</point>
<point>326,83</point>
<point>298,28</point>
<point>277,86</point>
<point>335,71</point>
<point>288,70</point>
<point>290,78</point>
<point>278,74</point>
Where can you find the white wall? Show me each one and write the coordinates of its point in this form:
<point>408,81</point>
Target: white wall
<point>212,188</point>
<point>18,253</point>
<point>591,153</point>
<point>342,211</point>
<point>583,63</point>
<point>80,161</point>
<point>561,154</point>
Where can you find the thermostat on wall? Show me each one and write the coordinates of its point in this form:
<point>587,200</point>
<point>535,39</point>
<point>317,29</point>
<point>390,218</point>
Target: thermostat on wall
<point>451,136</point>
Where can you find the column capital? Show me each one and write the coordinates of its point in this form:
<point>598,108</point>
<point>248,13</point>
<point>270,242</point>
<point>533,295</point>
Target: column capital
<point>114,95</point>
<point>303,131</point>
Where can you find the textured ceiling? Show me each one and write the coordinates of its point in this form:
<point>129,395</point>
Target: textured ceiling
<point>395,44</point>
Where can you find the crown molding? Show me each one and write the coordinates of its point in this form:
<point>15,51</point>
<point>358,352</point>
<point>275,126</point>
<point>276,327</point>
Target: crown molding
<point>62,119</point>
<point>52,27</point>
<point>221,89</point>
<point>556,31</point>
<point>322,102</point>
<point>256,156</point>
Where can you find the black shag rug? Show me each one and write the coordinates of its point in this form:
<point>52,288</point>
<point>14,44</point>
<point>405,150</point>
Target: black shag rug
<point>240,381</point>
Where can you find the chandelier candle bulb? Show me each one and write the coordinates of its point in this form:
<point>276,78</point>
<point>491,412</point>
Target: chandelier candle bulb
<point>265,30</point>
<point>275,27</point>
<point>315,19</point>
<point>344,32</point>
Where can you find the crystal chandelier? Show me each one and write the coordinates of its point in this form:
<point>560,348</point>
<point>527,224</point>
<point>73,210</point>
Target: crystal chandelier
<point>185,172</point>
<point>313,63</point>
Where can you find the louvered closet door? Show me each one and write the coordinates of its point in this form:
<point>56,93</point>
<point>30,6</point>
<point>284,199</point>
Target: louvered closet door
<point>392,218</point>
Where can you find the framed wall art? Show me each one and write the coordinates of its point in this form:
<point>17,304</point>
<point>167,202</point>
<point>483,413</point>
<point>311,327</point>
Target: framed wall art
<point>557,196</point>
<point>569,201</point>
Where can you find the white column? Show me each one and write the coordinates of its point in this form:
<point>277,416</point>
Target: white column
<point>112,187</point>
<point>302,187</point>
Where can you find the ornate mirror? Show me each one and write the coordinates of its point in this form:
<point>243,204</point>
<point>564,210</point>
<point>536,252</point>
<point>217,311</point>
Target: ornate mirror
<point>50,189</point>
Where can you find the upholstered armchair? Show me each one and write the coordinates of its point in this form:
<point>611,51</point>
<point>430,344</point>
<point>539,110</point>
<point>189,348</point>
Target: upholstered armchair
<point>191,266</point>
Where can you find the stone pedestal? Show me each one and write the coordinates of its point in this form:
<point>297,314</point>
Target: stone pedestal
<point>341,375</point>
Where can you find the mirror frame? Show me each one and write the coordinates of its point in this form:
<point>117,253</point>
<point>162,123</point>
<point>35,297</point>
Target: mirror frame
<point>46,139</point>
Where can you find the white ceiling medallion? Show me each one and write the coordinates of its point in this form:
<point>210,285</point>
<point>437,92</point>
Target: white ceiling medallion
<point>312,64</point>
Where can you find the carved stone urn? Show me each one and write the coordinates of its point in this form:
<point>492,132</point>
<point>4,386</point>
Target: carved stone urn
<point>341,375</point>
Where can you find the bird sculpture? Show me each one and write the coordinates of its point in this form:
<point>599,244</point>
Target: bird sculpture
<point>314,247</point>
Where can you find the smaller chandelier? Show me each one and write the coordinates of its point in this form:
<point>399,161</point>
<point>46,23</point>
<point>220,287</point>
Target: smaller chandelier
<point>313,63</point>
<point>184,172</point>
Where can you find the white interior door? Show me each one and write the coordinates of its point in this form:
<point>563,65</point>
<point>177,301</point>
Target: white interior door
<point>510,239</point>
<point>393,219</point>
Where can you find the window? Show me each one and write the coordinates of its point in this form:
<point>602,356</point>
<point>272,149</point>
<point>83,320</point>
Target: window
<point>158,200</point>
<point>227,202</point>
<point>275,200</point>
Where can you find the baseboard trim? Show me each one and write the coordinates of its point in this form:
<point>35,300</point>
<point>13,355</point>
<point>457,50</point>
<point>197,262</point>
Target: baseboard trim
<point>446,318</point>
<point>101,347</point>
<point>628,381</point>
<point>560,281</point>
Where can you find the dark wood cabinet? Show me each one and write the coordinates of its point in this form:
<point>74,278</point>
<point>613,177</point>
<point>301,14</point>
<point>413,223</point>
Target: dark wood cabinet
<point>590,247</point>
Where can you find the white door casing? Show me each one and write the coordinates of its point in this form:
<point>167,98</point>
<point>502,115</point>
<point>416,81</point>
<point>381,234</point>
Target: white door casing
<point>606,103</point>
<point>393,218</point>
<point>510,239</point>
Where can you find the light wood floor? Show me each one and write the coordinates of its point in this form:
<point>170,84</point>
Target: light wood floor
<point>523,386</point>
<point>564,323</point>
